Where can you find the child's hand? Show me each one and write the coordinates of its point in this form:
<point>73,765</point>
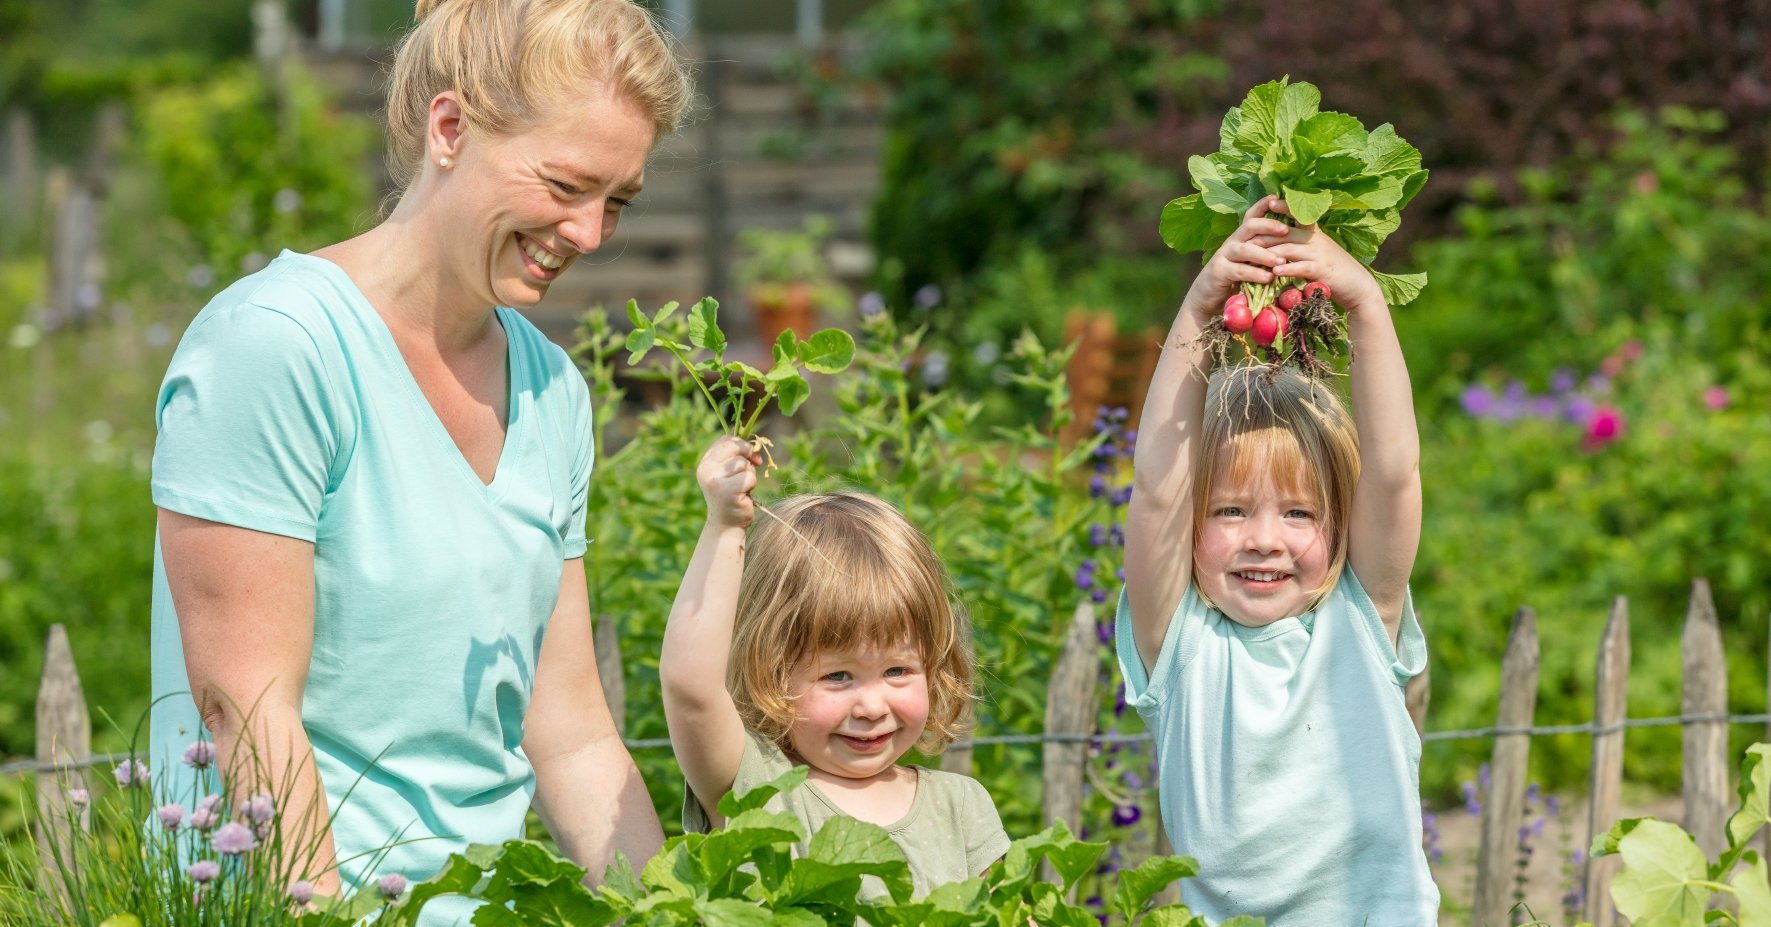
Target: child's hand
<point>727,474</point>
<point>1310,255</point>
<point>1244,257</point>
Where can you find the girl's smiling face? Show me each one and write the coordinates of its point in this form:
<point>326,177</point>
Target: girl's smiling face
<point>1262,553</point>
<point>856,713</point>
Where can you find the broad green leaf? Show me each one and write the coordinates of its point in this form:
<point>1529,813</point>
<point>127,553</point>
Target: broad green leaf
<point>1400,289</point>
<point>734,804</point>
<point>1755,795</point>
<point>1387,153</point>
<point>1137,885</point>
<point>1190,225</point>
<point>527,863</point>
<point>1368,193</point>
<point>726,849</point>
<point>1332,132</point>
<point>665,311</point>
<point>1663,876</point>
<point>784,367</point>
<point>1297,102</point>
<point>1244,920</point>
<point>1360,243</point>
<point>1307,207</point>
<point>1411,184</point>
<point>561,903</point>
<point>791,393</point>
<point>744,370</point>
<point>639,341</point>
<point>827,351</point>
<point>635,316</point>
<point>459,876</point>
<point>1752,889</point>
<point>121,920</point>
<point>673,872</point>
<point>621,878</point>
<point>1333,170</point>
<point>959,897</point>
<point>1227,129</point>
<point>730,912</point>
<point>1071,858</point>
<point>847,841</point>
<point>811,881</point>
<point>704,331</point>
<point>798,917</point>
<point>1213,188</point>
<point>1173,915</point>
<point>1260,111</point>
<point>1605,844</point>
<point>492,915</point>
<point>786,343</point>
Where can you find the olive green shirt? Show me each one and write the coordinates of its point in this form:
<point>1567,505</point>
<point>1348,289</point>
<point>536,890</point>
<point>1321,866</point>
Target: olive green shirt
<point>951,832</point>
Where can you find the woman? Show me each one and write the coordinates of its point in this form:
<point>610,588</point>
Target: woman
<point>372,482</point>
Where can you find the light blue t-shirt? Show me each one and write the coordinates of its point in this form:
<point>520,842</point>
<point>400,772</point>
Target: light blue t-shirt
<point>288,409</point>
<point>1288,765</point>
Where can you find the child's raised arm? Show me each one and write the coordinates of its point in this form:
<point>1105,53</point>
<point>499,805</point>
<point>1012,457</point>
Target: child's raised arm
<point>1159,520</point>
<point>1385,529</point>
<point>705,730</point>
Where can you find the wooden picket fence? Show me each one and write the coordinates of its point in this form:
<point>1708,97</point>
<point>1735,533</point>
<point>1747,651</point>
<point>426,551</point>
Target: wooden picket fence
<point>1073,699</point>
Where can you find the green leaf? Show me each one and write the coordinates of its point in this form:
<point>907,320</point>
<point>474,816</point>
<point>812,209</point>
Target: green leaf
<point>1213,187</point>
<point>791,393</point>
<point>1411,184</point>
<point>1662,881</point>
<point>1173,915</point>
<point>1190,225</point>
<point>1755,795</point>
<point>1400,289</point>
<point>704,331</point>
<point>798,917</point>
<point>847,841</point>
<point>1260,111</point>
<point>1387,153</point>
<point>734,804</point>
<point>828,351</point>
<point>1151,876</point>
<point>635,316</point>
<point>492,915</point>
<point>730,912</point>
<point>1334,170</point>
<point>744,370</point>
<point>726,849</point>
<point>665,311</point>
<point>1368,193</point>
<point>1297,102</point>
<point>459,876</point>
<point>674,871</point>
<point>621,878</point>
<point>1333,132</point>
<point>1244,920</point>
<point>1752,889</point>
<point>786,343</point>
<point>1227,129</point>
<point>121,920</point>
<point>1605,844</point>
<point>561,903</point>
<point>1307,207</point>
<point>639,341</point>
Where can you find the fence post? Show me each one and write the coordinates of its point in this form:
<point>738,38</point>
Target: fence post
<point>1497,859</point>
<point>1705,790</point>
<point>1070,709</point>
<point>1610,703</point>
<point>19,218</point>
<point>607,642</point>
<point>958,758</point>
<point>64,740</point>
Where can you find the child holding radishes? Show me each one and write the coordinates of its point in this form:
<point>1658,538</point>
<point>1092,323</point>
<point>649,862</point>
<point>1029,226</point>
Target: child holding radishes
<point>826,637</point>
<point>1266,630</point>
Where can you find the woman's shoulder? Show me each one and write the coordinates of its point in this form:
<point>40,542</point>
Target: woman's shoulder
<point>306,289</point>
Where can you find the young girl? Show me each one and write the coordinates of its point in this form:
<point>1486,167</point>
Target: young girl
<point>836,647</point>
<point>1266,631</point>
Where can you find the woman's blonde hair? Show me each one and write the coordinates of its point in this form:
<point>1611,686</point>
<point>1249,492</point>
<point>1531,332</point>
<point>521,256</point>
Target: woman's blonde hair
<point>1261,422</point>
<point>856,574</point>
<point>510,60</point>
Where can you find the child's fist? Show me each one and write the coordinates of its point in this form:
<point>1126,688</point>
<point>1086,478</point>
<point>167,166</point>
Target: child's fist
<point>1244,257</point>
<point>1307,254</point>
<point>727,474</point>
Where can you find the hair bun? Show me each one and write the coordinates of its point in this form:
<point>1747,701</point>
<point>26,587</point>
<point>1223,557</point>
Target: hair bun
<point>424,9</point>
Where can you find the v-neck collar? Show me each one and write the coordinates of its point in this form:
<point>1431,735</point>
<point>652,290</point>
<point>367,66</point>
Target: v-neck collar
<point>514,419</point>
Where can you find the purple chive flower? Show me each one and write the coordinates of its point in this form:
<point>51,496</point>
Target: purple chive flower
<point>233,839</point>
<point>131,773</point>
<point>301,892</point>
<point>260,808</point>
<point>1132,780</point>
<point>203,871</point>
<point>392,885</point>
<point>200,754</point>
<point>171,816</point>
<point>1599,383</point>
<point>928,296</point>
<point>1120,573</point>
<point>79,798</point>
<point>1544,407</point>
<point>1532,792</point>
<point>1126,815</point>
<point>1715,398</point>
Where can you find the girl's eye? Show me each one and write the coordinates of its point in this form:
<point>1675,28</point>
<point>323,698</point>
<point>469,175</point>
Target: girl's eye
<point>1300,513</point>
<point>838,676</point>
<point>898,671</point>
<point>1230,511</point>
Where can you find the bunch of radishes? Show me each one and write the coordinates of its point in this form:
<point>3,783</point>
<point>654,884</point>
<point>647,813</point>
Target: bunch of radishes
<point>1269,323</point>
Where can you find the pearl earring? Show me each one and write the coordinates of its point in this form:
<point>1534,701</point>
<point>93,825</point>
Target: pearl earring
<point>443,162</point>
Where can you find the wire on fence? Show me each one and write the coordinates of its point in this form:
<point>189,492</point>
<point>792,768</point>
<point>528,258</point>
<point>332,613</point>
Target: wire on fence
<point>1475,733</point>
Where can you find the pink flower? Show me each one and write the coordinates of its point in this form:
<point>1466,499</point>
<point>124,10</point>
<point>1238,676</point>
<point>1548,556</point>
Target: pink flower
<point>392,886</point>
<point>1716,398</point>
<point>301,892</point>
<point>203,871</point>
<point>79,798</point>
<point>170,816</point>
<point>1612,365</point>
<point>199,754</point>
<point>131,773</point>
<point>1604,427</point>
<point>260,808</point>
<point>233,839</point>
<point>1631,350</point>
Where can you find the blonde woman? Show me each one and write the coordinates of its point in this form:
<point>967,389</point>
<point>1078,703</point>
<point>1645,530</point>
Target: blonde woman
<point>371,472</point>
<point>826,638</point>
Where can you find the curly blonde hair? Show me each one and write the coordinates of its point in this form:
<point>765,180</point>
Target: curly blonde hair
<point>856,574</point>
<point>510,61</point>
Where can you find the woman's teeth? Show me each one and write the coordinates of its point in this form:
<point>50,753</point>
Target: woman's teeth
<point>542,256</point>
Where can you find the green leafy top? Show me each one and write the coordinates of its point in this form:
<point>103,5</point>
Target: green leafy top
<point>1329,170</point>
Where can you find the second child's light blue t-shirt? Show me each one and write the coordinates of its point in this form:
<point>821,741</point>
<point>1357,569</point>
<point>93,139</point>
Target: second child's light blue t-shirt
<point>1287,762</point>
<point>288,409</point>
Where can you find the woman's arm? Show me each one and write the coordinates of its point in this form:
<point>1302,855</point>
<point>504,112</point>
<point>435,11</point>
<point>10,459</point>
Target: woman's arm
<point>1159,519</point>
<point>705,730</point>
<point>245,603</point>
<point>587,789</point>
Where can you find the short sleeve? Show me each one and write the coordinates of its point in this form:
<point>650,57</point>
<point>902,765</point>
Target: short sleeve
<point>985,839</point>
<point>1145,691</point>
<point>247,426</point>
<point>1408,656</point>
<point>583,443</point>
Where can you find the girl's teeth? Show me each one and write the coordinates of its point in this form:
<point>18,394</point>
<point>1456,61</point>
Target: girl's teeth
<point>1260,577</point>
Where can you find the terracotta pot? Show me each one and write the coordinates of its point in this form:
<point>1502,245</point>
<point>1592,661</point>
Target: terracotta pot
<point>783,308</point>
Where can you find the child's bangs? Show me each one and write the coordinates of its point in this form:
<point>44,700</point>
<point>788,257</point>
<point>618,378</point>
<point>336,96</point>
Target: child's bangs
<point>870,607</point>
<point>1251,457</point>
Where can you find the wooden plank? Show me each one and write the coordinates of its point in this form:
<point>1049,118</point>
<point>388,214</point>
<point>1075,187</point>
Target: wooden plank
<point>607,642</point>
<point>1070,709</point>
<point>1706,792</point>
<point>1497,856</point>
<point>64,739</point>
<point>1610,707</point>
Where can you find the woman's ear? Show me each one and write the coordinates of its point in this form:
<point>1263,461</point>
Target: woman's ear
<point>445,129</point>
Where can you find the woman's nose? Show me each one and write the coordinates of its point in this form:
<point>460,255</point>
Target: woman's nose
<point>587,228</point>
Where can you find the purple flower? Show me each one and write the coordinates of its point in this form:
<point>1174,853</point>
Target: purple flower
<point>1578,409</point>
<point>203,871</point>
<point>1553,806</point>
<point>1126,815</point>
<point>1120,496</point>
<point>1543,407</point>
<point>260,808</point>
<point>1085,575</point>
<point>233,839</point>
<point>1561,380</point>
<point>199,754</point>
<point>301,892</point>
<point>1472,803</point>
<point>928,296</point>
<point>131,773</point>
<point>79,798</point>
<point>1484,778</point>
<point>1097,596</point>
<point>1532,792</point>
<point>1120,573</point>
<point>1599,383</point>
<point>1132,780</point>
<point>1104,632</point>
<point>1097,535</point>
<point>392,885</point>
<point>1116,535</point>
<point>871,304</point>
<point>170,816</point>
<point>1097,486</point>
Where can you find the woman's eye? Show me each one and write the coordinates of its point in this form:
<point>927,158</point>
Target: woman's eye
<point>564,187</point>
<point>616,203</point>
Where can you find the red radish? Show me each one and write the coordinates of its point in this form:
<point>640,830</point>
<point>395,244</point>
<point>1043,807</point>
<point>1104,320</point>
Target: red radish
<point>1237,318</point>
<point>1237,300</point>
<point>1269,326</point>
<point>1289,298</point>
<point>1315,289</point>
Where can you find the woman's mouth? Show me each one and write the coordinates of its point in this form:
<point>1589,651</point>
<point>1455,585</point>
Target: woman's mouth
<point>541,263</point>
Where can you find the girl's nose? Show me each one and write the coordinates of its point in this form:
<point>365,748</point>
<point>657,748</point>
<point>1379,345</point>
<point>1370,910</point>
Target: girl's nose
<point>869,703</point>
<point>1261,533</point>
